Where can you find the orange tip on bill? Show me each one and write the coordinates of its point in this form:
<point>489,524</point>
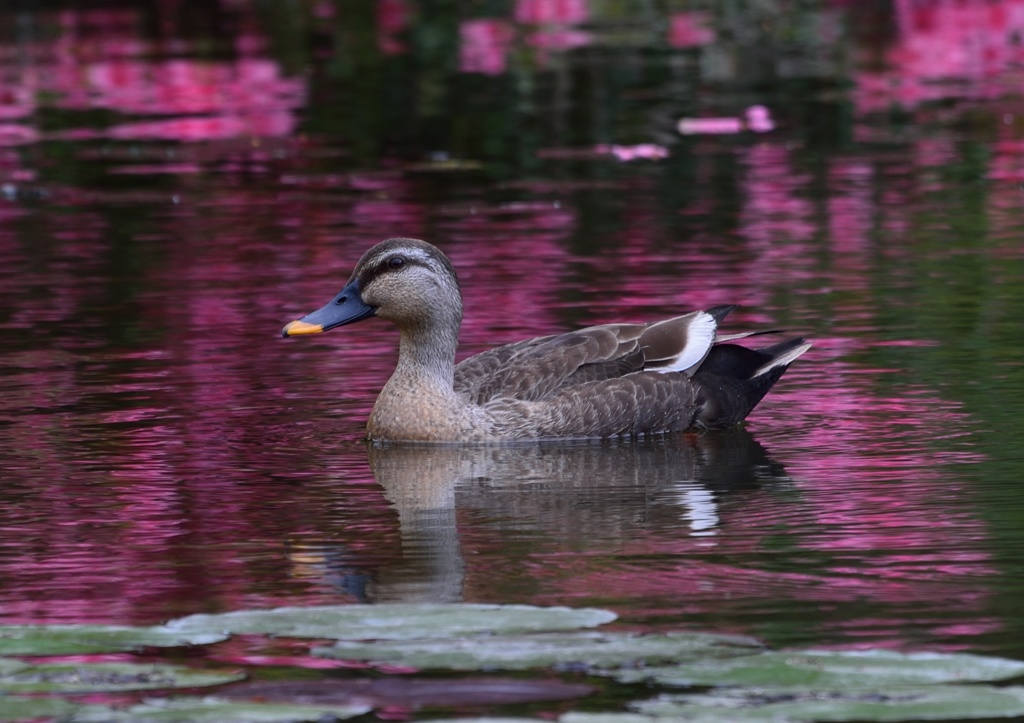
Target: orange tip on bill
<point>296,327</point>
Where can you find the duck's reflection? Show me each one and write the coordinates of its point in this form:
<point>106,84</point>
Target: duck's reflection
<point>582,495</point>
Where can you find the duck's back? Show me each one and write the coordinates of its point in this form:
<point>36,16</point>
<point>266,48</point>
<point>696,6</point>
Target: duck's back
<point>536,368</point>
<point>622,379</point>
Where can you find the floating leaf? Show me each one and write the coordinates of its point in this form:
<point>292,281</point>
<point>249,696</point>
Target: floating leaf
<point>612,718</point>
<point>8,666</point>
<point>216,710</point>
<point>79,639</point>
<point>19,709</point>
<point>584,650</point>
<point>831,669</point>
<point>380,622</point>
<point>496,720</point>
<point>746,705</point>
<point>432,692</point>
<point>90,677</point>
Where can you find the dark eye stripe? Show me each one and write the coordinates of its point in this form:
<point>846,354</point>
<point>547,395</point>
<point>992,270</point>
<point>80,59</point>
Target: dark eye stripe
<point>386,266</point>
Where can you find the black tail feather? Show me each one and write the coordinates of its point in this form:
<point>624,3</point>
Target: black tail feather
<point>720,312</point>
<point>733,379</point>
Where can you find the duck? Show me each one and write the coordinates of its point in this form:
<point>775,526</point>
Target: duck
<point>621,380</point>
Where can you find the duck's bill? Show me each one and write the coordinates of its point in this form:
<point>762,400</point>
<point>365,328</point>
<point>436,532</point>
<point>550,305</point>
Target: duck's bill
<point>347,307</point>
<point>297,327</point>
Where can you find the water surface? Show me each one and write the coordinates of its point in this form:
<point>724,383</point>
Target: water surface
<point>167,206</point>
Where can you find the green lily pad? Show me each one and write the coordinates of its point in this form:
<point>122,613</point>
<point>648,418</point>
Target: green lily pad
<point>793,705</point>
<point>491,719</point>
<point>613,718</point>
<point>94,677</point>
<point>80,639</point>
<point>583,650</point>
<point>831,669</point>
<point>387,622</point>
<point>8,666</point>
<point>20,709</point>
<point>410,693</point>
<point>216,710</point>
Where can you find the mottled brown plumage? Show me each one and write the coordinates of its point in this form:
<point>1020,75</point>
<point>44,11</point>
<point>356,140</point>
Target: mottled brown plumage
<point>603,381</point>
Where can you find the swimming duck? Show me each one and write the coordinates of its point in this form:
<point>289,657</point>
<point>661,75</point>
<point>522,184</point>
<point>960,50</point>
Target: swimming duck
<point>611,380</point>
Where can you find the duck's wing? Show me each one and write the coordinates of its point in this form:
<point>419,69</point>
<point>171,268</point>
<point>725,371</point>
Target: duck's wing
<point>534,368</point>
<point>474,373</point>
<point>639,403</point>
<point>722,392</point>
<point>538,368</point>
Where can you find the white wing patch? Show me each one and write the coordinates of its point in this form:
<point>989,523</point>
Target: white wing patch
<point>746,334</point>
<point>700,335</point>
<point>788,358</point>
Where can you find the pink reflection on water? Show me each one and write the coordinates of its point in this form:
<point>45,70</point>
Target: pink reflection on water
<point>393,18</point>
<point>207,128</point>
<point>186,86</point>
<point>690,30</point>
<point>228,470</point>
<point>1004,202</point>
<point>147,501</point>
<point>559,39</point>
<point>776,212</point>
<point>484,45</point>
<point>756,118</point>
<point>16,134</point>
<point>642,151</point>
<point>552,12</point>
<point>11,168</point>
<point>487,247</point>
<point>156,169</point>
<point>17,101</point>
<point>1008,161</point>
<point>182,466</point>
<point>942,41</point>
<point>876,515</point>
<point>115,69</point>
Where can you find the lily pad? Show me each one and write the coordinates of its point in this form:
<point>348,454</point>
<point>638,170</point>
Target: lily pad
<point>394,622</point>
<point>831,669</point>
<point>486,719</point>
<point>406,692</point>
<point>576,650</point>
<point>8,666</point>
<point>94,677</point>
<point>80,639</point>
<point>614,718</point>
<point>216,710</point>
<point>793,705</point>
<point>491,719</point>
<point>20,709</point>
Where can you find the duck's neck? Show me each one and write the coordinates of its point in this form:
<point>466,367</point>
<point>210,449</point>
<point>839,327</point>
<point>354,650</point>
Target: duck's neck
<point>426,358</point>
<point>419,401</point>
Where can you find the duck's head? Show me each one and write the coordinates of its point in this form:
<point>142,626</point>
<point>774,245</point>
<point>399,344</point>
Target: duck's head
<point>406,281</point>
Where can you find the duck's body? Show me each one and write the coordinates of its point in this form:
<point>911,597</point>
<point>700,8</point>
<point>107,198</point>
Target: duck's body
<point>603,381</point>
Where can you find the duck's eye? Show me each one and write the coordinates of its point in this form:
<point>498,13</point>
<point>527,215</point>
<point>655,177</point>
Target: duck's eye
<point>396,262</point>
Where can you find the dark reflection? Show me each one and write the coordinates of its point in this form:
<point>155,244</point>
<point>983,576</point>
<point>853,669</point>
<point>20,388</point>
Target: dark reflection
<point>575,492</point>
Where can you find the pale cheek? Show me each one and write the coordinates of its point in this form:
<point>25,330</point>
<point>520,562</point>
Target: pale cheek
<point>401,313</point>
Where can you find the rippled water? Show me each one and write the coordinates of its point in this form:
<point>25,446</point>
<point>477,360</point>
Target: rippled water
<point>165,452</point>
